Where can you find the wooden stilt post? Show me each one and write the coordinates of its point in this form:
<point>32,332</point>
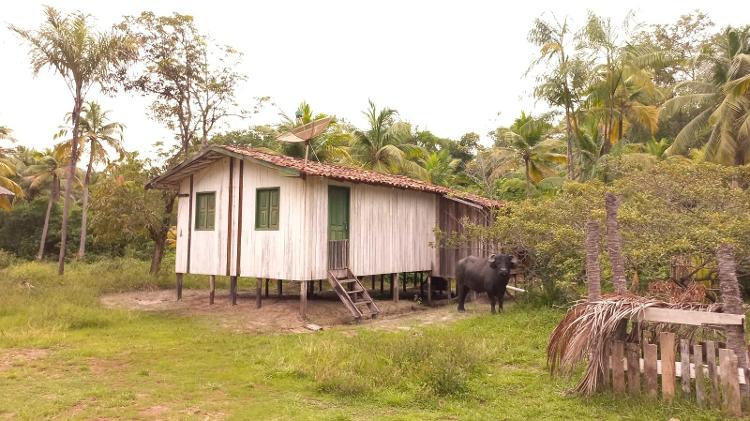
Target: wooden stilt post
<point>233,289</point>
<point>178,281</point>
<point>429,290</point>
<point>381,283</point>
<point>392,276</point>
<point>267,287</point>
<point>212,288</point>
<point>258,292</point>
<point>372,279</point>
<point>278,281</point>
<point>406,280</point>
<point>303,299</point>
<point>394,287</point>
<point>320,285</point>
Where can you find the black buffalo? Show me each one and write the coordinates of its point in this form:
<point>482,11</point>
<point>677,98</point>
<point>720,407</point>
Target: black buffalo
<point>488,275</point>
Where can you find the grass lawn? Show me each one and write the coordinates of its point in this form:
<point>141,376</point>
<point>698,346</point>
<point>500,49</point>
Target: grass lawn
<point>62,355</point>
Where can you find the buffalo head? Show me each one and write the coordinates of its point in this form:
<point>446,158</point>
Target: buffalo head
<point>502,263</point>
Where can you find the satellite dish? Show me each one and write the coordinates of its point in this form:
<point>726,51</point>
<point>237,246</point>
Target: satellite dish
<point>306,132</point>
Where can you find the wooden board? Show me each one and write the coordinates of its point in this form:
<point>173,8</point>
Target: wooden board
<point>650,370</point>
<point>634,372</point>
<point>700,393</point>
<point>730,386</point>
<point>685,367</point>
<point>618,369</point>
<point>690,317</point>
<point>666,346</point>
<point>713,373</point>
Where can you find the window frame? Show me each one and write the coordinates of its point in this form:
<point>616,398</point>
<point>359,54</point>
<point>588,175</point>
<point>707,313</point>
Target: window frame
<point>205,227</point>
<point>258,210</point>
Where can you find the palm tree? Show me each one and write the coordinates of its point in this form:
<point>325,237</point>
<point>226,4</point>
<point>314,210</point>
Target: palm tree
<point>440,167</point>
<point>561,85</point>
<point>722,103</point>
<point>100,134</point>
<point>331,145</point>
<point>46,172</point>
<point>386,145</point>
<point>82,57</point>
<point>526,144</point>
<point>622,92</point>
<point>7,170</point>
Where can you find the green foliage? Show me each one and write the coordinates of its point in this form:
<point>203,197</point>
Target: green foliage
<point>7,259</point>
<point>669,208</point>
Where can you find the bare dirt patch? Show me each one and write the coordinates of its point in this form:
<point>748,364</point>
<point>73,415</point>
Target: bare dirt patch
<point>281,314</point>
<point>13,357</point>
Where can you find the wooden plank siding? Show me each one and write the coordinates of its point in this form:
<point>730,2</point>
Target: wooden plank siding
<point>391,230</point>
<point>451,215</point>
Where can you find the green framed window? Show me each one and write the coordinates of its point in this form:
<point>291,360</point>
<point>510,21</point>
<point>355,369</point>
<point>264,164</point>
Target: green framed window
<point>267,209</point>
<point>205,211</point>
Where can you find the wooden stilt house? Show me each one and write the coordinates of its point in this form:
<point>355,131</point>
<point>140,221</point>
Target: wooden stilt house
<point>243,212</point>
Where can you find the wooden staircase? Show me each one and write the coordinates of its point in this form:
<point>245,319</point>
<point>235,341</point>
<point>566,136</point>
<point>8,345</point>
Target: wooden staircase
<point>352,293</point>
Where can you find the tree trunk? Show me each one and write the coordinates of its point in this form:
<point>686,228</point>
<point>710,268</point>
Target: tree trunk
<point>69,181</point>
<point>731,300</point>
<point>85,204</point>
<point>571,174</point>
<point>528,180</point>
<point>593,271</point>
<point>158,255</point>
<point>159,234</point>
<point>52,199</point>
<point>614,244</point>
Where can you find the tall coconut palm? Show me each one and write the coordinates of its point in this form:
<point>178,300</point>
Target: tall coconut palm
<point>8,170</point>
<point>99,135</point>
<point>386,145</point>
<point>82,57</point>
<point>720,103</point>
<point>46,172</point>
<point>526,144</point>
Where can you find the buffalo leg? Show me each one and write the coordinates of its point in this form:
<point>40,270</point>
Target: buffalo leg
<point>493,300</point>
<point>463,290</point>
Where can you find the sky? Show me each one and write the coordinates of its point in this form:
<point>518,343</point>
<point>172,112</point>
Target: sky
<point>450,67</point>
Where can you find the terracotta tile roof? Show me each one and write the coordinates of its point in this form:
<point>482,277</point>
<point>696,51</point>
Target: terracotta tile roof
<point>358,175</point>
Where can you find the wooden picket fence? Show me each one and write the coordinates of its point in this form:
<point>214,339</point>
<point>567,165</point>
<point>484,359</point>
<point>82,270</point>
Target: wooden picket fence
<point>704,379</point>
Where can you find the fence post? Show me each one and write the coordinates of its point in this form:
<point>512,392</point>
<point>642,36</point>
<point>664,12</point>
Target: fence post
<point>650,369</point>
<point>700,394</point>
<point>634,368</point>
<point>685,367</point>
<point>730,383</point>
<point>618,370</point>
<point>666,345</point>
<point>713,374</point>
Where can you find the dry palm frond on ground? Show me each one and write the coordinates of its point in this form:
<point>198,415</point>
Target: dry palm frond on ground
<point>589,326</point>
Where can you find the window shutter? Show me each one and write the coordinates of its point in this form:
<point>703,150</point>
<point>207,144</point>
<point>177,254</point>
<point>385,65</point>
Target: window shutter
<point>262,209</point>
<point>210,210</point>
<point>274,209</point>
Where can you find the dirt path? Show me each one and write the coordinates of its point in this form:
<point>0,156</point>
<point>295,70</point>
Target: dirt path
<point>281,314</point>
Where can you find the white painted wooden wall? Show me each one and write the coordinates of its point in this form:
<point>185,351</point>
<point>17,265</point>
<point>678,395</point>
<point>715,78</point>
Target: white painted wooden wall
<point>391,229</point>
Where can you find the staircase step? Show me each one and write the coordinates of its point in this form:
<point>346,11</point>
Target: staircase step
<point>359,303</point>
<point>347,281</point>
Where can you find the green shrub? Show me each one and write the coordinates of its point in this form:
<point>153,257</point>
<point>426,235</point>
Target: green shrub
<point>6,259</point>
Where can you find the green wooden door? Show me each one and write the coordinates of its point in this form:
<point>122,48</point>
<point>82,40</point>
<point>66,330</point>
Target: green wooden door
<point>338,213</point>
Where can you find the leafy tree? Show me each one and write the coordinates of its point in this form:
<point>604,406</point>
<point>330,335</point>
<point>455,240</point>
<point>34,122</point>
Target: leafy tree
<point>386,144</point>
<point>191,94</point>
<point>82,57</point>
<point>525,144</point>
<point>123,213</point>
